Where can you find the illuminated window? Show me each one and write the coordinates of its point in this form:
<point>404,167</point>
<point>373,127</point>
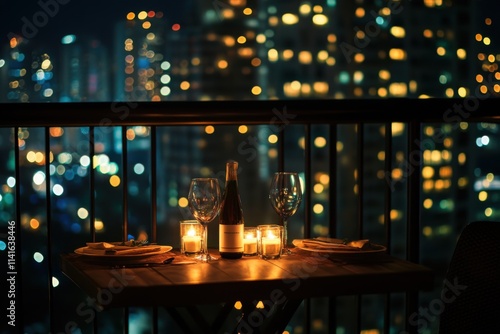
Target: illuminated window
<point>428,33</point>
<point>289,18</point>
<point>320,19</point>
<point>398,32</point>
<point>397,54</point>
<point>305,9</point>
<point>305,57</point>
<point>359,12</point>
<point>287,54</point>
<point>461,54</point>
<point>384,74</point>
<point>272,54</point>
<point>321,87</point>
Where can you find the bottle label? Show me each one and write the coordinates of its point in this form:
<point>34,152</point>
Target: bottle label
<point>231,238</point>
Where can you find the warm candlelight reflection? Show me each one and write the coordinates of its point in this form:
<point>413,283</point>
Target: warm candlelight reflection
<point>269,241</point>
<point>250,241</point>
<point>190,236</point>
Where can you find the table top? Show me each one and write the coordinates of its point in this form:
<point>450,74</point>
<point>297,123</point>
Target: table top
<point>297,276</point>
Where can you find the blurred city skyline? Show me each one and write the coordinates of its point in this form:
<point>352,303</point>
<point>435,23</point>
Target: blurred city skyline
<point>97,18</point>
<point>238,49</point>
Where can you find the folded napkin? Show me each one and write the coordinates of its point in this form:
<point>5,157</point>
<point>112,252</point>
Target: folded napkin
<point>106,248</point>
<point>336,244</point>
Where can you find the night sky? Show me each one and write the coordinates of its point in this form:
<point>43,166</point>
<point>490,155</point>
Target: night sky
<point>94,17</point>
<point>90,17</point>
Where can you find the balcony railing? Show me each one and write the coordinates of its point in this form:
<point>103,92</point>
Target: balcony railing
<point>371,125</point>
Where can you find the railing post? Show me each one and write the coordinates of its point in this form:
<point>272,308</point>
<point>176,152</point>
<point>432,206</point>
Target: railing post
<point>18,263</point>
<point>387,212</point>
<point>414,161</point>
<point>332,226</point>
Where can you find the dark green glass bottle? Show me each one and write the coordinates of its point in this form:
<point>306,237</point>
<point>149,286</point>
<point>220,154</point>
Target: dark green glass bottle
<point>231,221</point>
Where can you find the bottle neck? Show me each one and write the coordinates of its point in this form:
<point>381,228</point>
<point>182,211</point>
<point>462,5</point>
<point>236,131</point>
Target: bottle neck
<point>232,171</point>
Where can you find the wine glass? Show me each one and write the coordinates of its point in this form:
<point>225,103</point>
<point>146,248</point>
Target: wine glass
<point>285,195</point>
<point>204,202</point>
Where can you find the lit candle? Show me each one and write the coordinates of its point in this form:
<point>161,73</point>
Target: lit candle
<point>192,242</point>
<point>271,244</point>
<point>250,244</point>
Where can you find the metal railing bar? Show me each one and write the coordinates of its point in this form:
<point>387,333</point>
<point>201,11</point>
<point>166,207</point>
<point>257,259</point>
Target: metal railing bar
<point>332,223</point>
<point>360,185</point>
<point>413,189</point>
<point>332,202</point>
<point>126,314</point>
<point>153,183</point>
<point>124,182</point>
<point>387,184</point>
<point>360,177</point>
<point>92,182</point>
<point>414,159</point>
<point>48,206</point>
<point>308,209</point>
<point>125,207</point>
<point>281,149</point>
<point>18,268</point>
<point>387,212</point>
<point>249,112</point>
<point>155,320</point>
<point>307,181</point>
<point>92,206</point>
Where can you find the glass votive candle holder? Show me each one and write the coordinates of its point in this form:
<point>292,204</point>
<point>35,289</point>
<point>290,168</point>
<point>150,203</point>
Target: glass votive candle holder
<point>191,237</point>
<point>269,241</point>
<point>250,241</point>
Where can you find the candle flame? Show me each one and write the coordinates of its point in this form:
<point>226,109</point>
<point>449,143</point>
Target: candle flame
<point>191,232</point>
<point>249,236</point>
<point>271,235</point>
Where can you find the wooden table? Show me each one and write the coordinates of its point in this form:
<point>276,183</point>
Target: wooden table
<point>281,285</point>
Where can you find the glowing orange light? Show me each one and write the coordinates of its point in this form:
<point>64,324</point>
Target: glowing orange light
<point>56,132</point>
<point>13,42</point>
<point>176,27</point>
<point>151,13</point>
<point>34,224</point>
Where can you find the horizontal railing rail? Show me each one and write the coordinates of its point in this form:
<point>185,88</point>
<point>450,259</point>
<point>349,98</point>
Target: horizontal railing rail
<point>250,112</point>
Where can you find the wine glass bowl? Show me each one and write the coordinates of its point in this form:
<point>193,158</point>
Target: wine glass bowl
<point>204,200</point>
<point>285,195</point>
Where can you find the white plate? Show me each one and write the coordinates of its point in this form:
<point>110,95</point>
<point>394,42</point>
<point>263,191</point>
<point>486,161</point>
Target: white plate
<point>163,249</point>
<point>374,248</point>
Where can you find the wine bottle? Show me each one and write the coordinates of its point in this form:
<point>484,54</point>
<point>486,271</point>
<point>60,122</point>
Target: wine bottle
<point>231,221</point>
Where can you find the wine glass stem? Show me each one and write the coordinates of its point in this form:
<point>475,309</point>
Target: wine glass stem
<point>285,236</point>
<point>204,250</point>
